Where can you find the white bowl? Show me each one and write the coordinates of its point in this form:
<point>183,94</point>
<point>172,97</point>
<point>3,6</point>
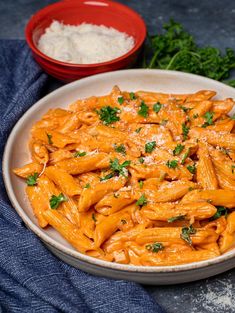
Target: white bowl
<point>16,154</point>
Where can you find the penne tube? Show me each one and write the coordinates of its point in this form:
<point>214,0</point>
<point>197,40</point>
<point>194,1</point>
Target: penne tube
<point>166,211</point>
<point>206,176</point>
<point>69,231</point>
<point>28,169</point>
<point>92,195</point>
<point>63,180</point>
<point>219,197</point>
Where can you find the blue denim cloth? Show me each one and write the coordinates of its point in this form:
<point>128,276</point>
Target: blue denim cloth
<point>31,278</point>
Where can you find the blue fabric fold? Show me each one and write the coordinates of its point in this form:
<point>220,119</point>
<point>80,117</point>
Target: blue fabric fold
<point>31,278</point>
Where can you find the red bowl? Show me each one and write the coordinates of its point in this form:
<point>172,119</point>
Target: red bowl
<point>75,12</point>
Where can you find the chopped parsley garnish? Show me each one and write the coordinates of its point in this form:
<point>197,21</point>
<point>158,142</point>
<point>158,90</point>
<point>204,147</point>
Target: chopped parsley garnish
<point>87,186</point>
<point>157,107</point>
<point>195,115</point>
<point>233,167</point>
<point>190,188</point>
<point>142,201</point>
<point>143,110</point>
<point>192,168</point>
<point>55,201</point>
<point>185,156</point>
<point>155,247</point>
<point>172,164</point>
<point>117,169</point>
<point>132,96</point>
<point>178,149</point>
<point>93,217</point>
<point>108,176</point>
<point>120,149</point>
<point>176,218</point>
<point>120,100</point>
<point>185,131</point>
<point>32,179</point>
<point>141,160</point>
<point>186,232</point>
<point>185,109</point>
<point>79,154</point>
<point>138,130</point>
<point>123,222</point>
<point>221,210</point>
<point>49,137</point>
<point>108,115</point>
<point>208,116</point>
<point>150,146</point>
<point>141,184</point>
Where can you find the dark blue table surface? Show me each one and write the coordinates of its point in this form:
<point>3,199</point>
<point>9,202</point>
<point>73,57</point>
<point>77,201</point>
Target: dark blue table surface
<point>212,22</point>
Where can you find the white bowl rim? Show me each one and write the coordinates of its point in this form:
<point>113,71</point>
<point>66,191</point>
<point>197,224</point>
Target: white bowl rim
<point>70,251</point>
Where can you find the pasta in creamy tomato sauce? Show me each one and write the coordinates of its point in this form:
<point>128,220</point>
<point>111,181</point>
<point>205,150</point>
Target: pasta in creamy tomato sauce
<point>139,178</point>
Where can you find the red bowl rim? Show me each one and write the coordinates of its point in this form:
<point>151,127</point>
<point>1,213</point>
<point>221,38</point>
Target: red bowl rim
<point>29,28</point>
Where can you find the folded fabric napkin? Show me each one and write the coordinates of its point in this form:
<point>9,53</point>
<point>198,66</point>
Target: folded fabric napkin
<point>31,278</point>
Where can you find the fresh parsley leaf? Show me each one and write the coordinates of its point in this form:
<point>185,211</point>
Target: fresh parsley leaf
<point>108,176</point>
<point>32,179</point>
<point>143,110</point>
<point>108,115</point>
<point>141,160</point>
<point>94,217</point>
<point>176,218</point>
<point>185,109</point>
<point>172,164</point>
<point>195,115</point>
<point>178,149</point>
<point>79,154</point>
<point>141,184</point>
<point>157,107</point>
<point>119,169</point>
<point>185,131</point>
<point>55,201</point>
<point>120,149</point>
<point>186,232</point>
<point>120,100</point>
<point>176,49</point>
<point>142,201</point>
<point>138,130</point>
<point>132,96</point>
<point>49,137</point>
<point>87,186</point>
<point>192,168</point>
<point>155,247</point>
<point>185,156</point>
<point>208,116</point>
<point>221,210</point>
<point>150,146</point>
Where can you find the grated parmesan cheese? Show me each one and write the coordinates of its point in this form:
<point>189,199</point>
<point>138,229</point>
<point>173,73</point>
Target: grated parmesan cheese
<point>84,44</point>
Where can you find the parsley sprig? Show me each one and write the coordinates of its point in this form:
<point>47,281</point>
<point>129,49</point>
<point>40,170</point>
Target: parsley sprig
<point>143,109</point>
<point>55,201</point>
<point>186,232</point>
<point>117,169</point>
<point>32,179</point>
<point>108,115</point>
<point>176,49</point>
<point>155,247</point>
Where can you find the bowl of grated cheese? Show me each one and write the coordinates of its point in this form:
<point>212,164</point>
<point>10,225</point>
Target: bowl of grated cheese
<point>76,38</point>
